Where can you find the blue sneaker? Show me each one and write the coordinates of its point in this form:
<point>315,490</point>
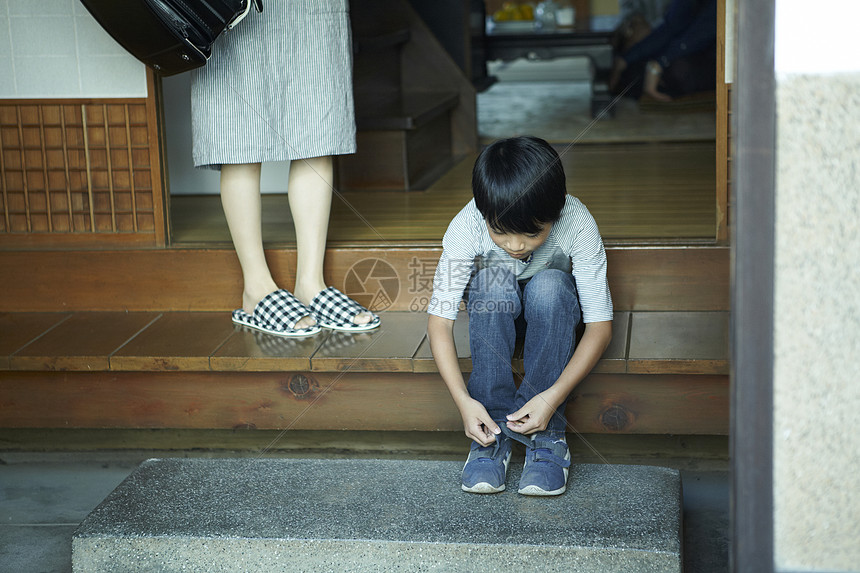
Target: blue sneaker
<point>486,467</point>
<point>545,472</point>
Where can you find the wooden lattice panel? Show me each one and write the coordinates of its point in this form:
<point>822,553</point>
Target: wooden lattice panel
<point>77,168</point>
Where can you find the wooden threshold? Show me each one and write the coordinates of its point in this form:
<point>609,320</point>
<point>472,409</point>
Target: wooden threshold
<point>203,280</point>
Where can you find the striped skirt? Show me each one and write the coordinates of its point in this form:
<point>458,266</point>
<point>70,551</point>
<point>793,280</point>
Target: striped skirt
<point>277,87</point>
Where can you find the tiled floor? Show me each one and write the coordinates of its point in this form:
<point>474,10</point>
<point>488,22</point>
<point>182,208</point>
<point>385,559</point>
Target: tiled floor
<point>43,497</point>
<point>643,342</point>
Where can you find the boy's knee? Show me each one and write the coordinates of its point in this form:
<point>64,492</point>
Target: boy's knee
<point>550,283</point>
<point>551,290</point>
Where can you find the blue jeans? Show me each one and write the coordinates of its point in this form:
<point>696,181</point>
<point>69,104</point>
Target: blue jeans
<point>547,310</point>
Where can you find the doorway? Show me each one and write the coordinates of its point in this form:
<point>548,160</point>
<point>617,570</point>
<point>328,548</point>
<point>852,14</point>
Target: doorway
<point>646,169</point>
<point>648,173</point>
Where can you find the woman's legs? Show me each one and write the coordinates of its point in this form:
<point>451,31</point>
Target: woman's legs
<point>310,194</point>
<point>240,196</point>
<point>310,202</point>
<point>679,15</point>
<point>311,186</point>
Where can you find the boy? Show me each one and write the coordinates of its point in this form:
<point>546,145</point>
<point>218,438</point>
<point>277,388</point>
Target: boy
<point>533,261</point>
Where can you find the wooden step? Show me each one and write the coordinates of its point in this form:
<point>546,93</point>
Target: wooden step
<point>382,111</point>
<point>209,279</point>
<point>409,132</point>
<point>687,342</point>
<point>376,61</point>
<point>663,373</point>
<point>403,140</point>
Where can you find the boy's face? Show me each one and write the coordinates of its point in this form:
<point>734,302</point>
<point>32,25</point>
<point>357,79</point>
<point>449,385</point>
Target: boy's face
<point>520,246</point>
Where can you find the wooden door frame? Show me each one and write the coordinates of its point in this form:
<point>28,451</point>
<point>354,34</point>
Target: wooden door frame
<point>723,112</point>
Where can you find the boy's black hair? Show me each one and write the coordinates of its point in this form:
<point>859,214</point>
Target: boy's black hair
<point>519,185</point>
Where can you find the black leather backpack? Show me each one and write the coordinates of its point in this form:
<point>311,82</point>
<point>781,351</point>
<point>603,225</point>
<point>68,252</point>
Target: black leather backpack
<point>171,36</point>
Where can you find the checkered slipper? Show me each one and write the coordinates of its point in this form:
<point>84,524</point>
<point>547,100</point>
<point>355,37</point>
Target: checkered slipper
<point>333,309</point>
<point>277,314</point>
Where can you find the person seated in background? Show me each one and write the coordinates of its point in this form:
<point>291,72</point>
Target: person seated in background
<point>676,58</point>
<point>651,10</point>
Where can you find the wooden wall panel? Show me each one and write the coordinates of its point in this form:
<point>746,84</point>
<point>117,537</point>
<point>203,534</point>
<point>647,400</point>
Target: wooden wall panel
<point>80,167</point>
<point>684,278</point>
<point>603,403</point>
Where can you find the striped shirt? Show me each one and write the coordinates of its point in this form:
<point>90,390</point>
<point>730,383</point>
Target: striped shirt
<point>573,244</point>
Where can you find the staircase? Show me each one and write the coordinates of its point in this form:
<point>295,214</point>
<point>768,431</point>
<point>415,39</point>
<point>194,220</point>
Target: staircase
<point>105,342</point>
<point>415,109</point>
<point>143,339</point>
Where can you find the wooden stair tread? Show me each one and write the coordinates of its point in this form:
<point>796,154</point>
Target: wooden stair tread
<point>423,359</point>
<point>175,341</point>
<point>85,341</point>
<point>401,111</point>
<point>679,342</point>
<point>389,348</point>
<point>21,328</point>
<point>250,350</point>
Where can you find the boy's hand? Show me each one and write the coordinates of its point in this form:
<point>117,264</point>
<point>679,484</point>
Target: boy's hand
<point>533,417</point>
<point>479,425</point>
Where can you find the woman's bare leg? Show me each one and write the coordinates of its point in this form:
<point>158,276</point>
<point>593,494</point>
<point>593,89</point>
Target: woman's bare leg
<point>240,197</point>
<point>310,195</point>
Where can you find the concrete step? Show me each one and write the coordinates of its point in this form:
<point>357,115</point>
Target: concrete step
<point>272,515</point>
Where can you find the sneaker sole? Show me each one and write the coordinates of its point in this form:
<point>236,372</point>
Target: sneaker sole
<point>483,487</point>
<point>536,491</point>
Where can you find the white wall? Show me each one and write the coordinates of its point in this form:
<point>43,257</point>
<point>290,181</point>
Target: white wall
<point>816,296</point>
<point>55,49</point>
<point>816,38</point>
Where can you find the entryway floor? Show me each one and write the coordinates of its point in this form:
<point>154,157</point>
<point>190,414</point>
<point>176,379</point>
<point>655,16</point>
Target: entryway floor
<point>44,496</point>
